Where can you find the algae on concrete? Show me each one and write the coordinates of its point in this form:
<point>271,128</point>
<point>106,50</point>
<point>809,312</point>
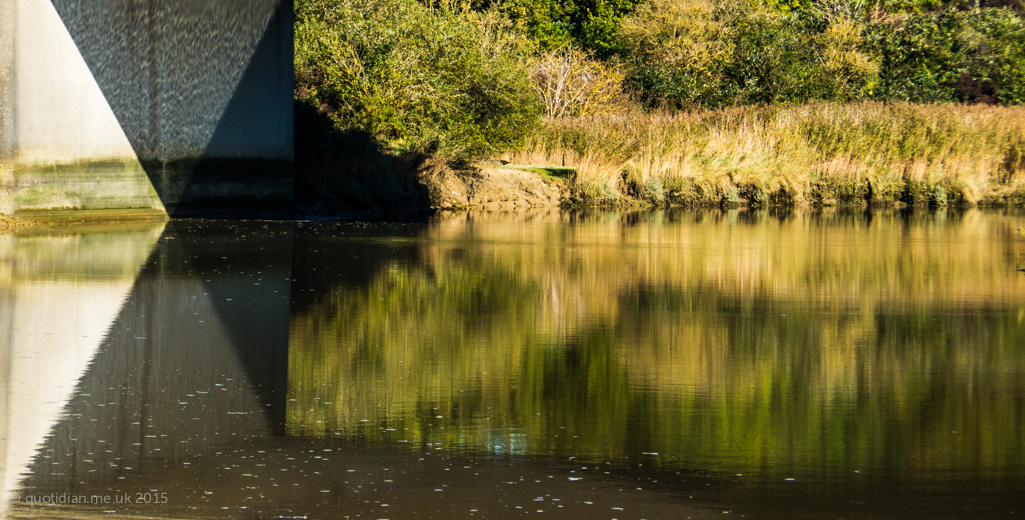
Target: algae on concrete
<point>87,185</point>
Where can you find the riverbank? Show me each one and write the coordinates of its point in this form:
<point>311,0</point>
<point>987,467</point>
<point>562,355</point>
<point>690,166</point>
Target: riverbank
<point>9,223</point>
<point>818,154</point>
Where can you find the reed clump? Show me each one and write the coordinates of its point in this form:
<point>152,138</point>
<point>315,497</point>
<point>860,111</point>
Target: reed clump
<point>817,153</point>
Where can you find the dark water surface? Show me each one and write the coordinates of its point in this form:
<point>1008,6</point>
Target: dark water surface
<point>818,364</point>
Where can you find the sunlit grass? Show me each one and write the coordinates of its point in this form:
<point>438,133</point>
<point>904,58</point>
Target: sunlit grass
<point>823,153</point>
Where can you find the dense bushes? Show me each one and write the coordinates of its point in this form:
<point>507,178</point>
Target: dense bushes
<point>460,80</point>
<point>970,56</point>
<point>732,52</point>
<point>418,80</point>
<point>823,51</point>
<point>589,24</point>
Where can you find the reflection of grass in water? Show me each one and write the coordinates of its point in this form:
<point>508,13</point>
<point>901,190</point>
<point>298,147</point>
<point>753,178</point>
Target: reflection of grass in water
<point>83,252</point>
<point>893,336</point>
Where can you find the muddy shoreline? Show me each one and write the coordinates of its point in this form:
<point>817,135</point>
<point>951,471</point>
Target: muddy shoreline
<point>9,223</point>
<point>507,186</point>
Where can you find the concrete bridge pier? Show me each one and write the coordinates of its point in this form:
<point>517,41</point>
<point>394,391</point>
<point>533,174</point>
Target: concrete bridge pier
<point>152,106</point>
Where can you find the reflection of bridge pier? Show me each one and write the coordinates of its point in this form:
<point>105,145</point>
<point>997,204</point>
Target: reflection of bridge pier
<point>59,294</point>
<point>196,359</point>
<point>103,376</point>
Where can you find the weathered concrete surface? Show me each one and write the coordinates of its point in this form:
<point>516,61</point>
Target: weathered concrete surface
<point>177,104</point>
<point>63,147</point>
<point>6,81</point>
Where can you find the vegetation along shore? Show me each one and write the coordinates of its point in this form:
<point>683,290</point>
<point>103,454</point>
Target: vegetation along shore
<point>8,223</point>
<point>415,103</point>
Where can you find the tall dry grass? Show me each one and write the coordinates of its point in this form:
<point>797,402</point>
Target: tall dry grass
<point>823,153</point>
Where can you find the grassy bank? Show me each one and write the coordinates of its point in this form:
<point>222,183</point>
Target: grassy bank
<point>9,223</point>
<point>405,104</point>
<point>819,153</point>
<point>779,155</point>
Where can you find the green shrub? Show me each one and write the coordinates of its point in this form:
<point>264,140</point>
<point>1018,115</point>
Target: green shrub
<point>679,49</point>
<point>952,55</point>
<point>419,80</point>
<point>774,60</point>
<point>714,53</point>
<point>549,23</point>
<point>591,25</point>
<point>599,27</point>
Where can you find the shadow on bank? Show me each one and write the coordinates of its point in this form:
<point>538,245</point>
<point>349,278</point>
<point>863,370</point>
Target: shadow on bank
<point>347,173</point>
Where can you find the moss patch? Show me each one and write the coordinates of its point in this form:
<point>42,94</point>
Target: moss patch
<point>553,172</point>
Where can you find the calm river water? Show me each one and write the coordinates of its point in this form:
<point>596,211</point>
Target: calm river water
<point>809,364</point>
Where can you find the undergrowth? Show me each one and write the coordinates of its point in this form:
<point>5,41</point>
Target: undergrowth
<point>820,153</point>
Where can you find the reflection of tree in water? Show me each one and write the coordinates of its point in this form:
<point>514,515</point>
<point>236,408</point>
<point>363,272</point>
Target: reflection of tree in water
<point>812,344</point>
<point>1017,246</point>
